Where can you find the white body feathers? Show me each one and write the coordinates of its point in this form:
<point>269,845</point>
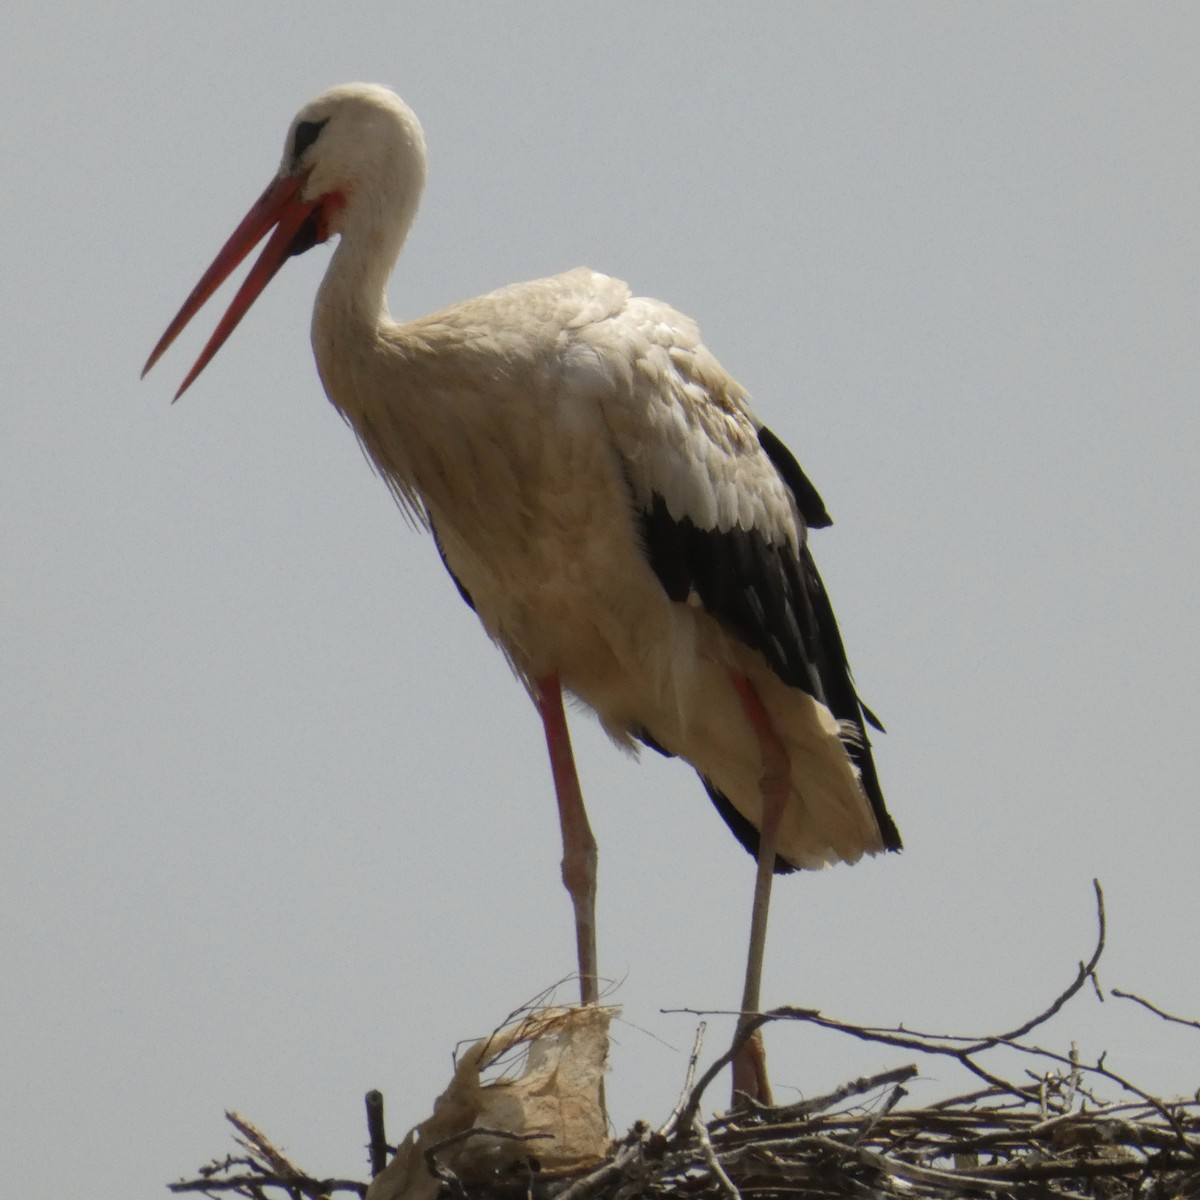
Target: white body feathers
<point>526,425</point>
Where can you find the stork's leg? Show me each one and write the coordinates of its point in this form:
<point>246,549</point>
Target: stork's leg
<point>579,846</point>
<point>750,1065</point>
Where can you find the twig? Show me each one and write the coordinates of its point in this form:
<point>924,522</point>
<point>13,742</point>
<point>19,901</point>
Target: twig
<point>668,1126</point>
<point>742,1036</point>
<point>959,1180</point>
<point>784,1113</point>
<point>1086,971</point>
<point>300,1185</point>
<point>714,1163</point>
<point>610,1171</point>
<point>1158,1012</point>
<point>259,1144</point>
<point>855,1087</point>
<point>377,1146</point>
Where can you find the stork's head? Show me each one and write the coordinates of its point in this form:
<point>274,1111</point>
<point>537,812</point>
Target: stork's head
<point>357,146</point>
<point>354,158</point>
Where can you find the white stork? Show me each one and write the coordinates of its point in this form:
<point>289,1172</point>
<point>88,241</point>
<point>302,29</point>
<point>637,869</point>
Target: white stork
<point>603,498</point>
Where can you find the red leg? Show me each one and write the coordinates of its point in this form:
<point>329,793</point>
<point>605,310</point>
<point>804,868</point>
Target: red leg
<point>579,846</point>
<point>750,1065</point>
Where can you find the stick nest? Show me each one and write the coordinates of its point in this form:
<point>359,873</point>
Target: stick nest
<point>1052,1132</point>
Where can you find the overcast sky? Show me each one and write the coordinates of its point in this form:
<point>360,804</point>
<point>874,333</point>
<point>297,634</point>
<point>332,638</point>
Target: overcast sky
<point>276,823</point>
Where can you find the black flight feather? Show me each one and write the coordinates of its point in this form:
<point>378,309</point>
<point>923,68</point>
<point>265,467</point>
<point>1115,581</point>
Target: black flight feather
<point>808,499</point>
<point>773,601</point>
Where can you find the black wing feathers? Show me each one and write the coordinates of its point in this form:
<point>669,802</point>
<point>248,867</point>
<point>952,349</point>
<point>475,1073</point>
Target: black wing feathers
<point>808,499</point>
<point>842,699</point>
<point>739,577</point>
<point>773,601</point>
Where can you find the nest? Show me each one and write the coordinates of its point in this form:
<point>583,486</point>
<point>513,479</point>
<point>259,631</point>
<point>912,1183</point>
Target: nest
<point>1064,1129</point>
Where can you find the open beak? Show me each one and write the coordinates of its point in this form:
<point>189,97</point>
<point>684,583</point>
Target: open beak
<point>299,225</point>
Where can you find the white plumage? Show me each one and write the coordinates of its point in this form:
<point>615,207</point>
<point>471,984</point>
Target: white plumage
<point>600,491</point>
<point>531,463</point>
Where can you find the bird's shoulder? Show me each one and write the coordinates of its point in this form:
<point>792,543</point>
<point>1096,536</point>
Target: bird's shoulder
<point>533,317</point>
<point>580,310</point>
<point>683,426</point>
<point>601,358</point>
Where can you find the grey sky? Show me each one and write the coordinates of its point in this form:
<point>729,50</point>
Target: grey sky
<point>276,823</point>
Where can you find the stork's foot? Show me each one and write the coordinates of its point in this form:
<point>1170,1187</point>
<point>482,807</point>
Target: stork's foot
<point>750,1071</point>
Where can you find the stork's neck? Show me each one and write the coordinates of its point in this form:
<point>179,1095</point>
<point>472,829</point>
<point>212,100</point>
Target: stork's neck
<point>350,320</point>
<point>352,299</point>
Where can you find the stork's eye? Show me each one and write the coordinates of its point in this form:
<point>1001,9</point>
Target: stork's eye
<point>307,132</point>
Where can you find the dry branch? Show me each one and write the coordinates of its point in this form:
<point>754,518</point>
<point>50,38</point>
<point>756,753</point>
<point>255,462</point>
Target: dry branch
<point>1048,1135</point>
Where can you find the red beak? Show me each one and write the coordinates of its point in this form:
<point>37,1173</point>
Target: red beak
<point>299,225</point>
